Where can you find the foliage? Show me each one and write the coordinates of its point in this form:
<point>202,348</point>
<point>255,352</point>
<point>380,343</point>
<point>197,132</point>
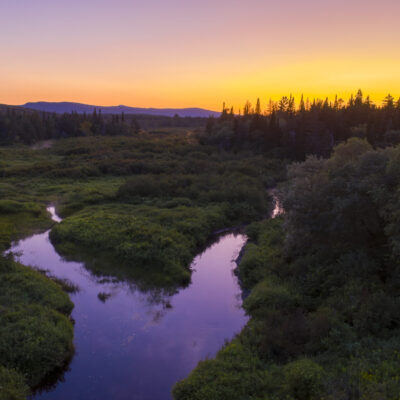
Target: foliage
<point>148,238</point>
<point>18,219</point>
<point>268,235</point>
<point>325,286</point>
<point>24,285</point>
<point>235,374</point>
<point>12,385</point>
<point>35,333</point>
<point>243,194</point>
<point>303,380</point>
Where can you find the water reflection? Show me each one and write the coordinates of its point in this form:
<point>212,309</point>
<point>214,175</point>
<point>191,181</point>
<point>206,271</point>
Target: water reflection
<point>136,344</point>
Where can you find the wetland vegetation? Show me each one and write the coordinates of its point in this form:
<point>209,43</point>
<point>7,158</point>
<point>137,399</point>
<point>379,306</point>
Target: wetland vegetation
<point>321,281</point>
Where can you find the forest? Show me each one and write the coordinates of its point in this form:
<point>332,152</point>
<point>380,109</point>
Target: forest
<point>22,125</point>
<point>320,282</point>
<point>292,131</point>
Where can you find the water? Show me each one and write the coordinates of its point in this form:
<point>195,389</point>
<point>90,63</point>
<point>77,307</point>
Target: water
<point>136,345</point>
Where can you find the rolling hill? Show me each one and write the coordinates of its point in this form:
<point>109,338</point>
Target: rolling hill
<point>80,108</point>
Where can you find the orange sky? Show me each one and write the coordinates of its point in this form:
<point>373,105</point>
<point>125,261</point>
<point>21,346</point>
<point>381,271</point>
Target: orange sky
<point>177,53</point>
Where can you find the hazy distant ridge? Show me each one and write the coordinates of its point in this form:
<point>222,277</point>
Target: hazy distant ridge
<point>87,108</point>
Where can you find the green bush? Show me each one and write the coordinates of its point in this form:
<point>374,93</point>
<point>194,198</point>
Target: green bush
<point>303,380</point>
<point>235,375</point>
<point>12,385</point>
<point>270,296</point>
<point>34,340</point>
<point>262,253</point>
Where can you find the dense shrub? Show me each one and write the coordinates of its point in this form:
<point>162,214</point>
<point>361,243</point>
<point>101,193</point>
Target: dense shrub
<point>325,284</point>
<point>303,380</point>
<point>12,385</point>
<point>236,374</point>
<point>34,340</point>
<point>269,296</point>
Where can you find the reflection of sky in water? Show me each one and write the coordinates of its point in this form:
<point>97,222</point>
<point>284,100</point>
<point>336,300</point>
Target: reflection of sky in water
<point>131,347</point>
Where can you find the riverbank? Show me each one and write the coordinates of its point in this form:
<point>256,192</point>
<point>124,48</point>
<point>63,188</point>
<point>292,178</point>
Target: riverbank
<point>150,202</point>
<point>146,340</point>
<point>35,330</point>
<point>238,371</point>
<point>323,281</point>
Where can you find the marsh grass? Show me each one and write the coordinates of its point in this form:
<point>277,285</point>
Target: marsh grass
<point>135,208</point>
<point>35,330</point>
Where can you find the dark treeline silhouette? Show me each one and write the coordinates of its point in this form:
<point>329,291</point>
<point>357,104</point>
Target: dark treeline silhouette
<point>309,128</point>
<point>284,129</point>
<point>26,126</point>
<point>19,125</point>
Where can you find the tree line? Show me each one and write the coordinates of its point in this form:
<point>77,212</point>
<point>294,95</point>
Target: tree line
<point>26,126</point>
<point>21,125</point>
<point>293,131</point>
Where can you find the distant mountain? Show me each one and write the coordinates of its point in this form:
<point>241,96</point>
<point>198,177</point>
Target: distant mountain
<point>68,107</point>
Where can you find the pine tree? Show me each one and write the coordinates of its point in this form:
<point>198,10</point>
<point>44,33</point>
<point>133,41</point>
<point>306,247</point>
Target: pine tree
<point>283,104</point>
<point>258,107</point>
<point>351,101</point>
<point>359,99</point>
<point>291,108</point>
<point>302,107</point>
<point>336,103</point>
<point>247,108</point>
<point>271,107</point>
<point>388,102</point>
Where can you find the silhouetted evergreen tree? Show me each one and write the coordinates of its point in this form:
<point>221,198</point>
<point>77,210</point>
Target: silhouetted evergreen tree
<point>311,128</point>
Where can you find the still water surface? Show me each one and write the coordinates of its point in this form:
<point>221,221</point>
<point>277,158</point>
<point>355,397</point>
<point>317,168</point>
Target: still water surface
<point>136,345</point>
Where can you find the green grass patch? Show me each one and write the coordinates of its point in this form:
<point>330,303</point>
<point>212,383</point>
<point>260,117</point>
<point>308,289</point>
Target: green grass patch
<point>152,241</point>
<point>35,331</point>
<point>21,219</point>
<point>12,385</point>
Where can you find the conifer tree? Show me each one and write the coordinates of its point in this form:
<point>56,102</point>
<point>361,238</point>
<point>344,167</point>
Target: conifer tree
<point>258,107</point>
<point>302,107</point>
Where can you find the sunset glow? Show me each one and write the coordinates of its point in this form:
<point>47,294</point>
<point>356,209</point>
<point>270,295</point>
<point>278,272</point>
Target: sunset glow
<point>196,53</point>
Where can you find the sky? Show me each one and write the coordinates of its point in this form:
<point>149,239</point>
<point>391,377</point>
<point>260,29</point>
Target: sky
<point>186,53</point>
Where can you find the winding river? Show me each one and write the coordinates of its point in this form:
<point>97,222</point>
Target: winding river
<point>134,345</point>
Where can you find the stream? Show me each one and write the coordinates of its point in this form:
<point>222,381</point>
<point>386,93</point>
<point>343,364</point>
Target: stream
<point>135,345</point>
